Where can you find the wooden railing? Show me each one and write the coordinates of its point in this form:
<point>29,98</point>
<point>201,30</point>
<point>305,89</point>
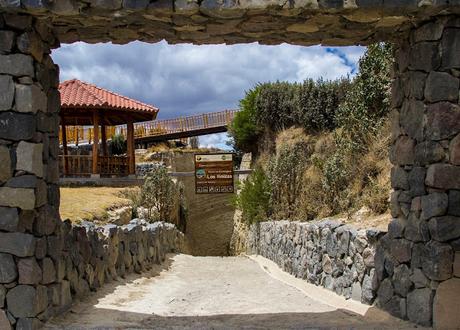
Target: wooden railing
<point>78,134</point>
<point>79,165</point>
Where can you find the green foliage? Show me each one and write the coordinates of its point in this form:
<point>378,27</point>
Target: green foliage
<point>118,145</point>
<point>367,101</point>
<point>273,107</point>
<point>254,198</point>
<point>244,129</point>
<point>318,102</point>
<point>158,194</point>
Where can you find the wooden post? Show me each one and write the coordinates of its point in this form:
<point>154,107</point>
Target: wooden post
<point>95,142</point>
<point>104,140</point>
<point>64,147</point>
<point>130,143</point>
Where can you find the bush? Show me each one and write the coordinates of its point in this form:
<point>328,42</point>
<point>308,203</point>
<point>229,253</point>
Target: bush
<point>254,198</point>
<point>158,195</point>
<point>118,145</point>
<point>285,172</point>
<point>244,129</point>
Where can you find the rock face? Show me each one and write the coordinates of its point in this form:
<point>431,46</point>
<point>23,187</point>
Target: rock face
<point>327,253</point>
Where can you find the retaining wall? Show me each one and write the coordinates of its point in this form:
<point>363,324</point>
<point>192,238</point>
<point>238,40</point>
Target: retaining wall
<point>39,277</point>
<point>327,253</point>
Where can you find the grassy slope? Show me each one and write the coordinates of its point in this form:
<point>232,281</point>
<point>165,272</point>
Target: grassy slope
<point>88,203</point>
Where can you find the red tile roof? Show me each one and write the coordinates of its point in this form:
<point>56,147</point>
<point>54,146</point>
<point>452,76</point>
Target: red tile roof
<point>79,94</point>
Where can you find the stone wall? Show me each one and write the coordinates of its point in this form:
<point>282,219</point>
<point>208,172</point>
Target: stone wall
<point>79,259</point>
<point>326,253</point>
<point>419,260</point>
<point>303,22</point>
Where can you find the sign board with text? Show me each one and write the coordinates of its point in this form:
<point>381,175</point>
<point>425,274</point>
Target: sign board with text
<point>214,173</point>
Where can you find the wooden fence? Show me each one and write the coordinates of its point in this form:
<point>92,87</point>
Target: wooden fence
<point>79,134</point>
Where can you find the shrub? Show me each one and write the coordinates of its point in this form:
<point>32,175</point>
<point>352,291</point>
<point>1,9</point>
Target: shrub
<point>244,129</point>
<point>254,198</point>
<point>118,145</point>
<point>158,194</point>
<point>285,172</point>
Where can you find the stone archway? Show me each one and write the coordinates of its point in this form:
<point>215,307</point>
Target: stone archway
<point>423,241</point>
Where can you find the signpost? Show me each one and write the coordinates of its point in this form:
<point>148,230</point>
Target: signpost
<point>214,173</point>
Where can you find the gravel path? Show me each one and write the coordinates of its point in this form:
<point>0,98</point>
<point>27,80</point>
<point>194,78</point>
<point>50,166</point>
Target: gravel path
<point>219,293</point>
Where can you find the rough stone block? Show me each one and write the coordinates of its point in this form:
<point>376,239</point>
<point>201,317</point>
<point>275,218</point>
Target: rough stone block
<point>18,244</point>
<point>48,270</point>
<point>433,205</point>
<point>29,323</point>
<point>429,61</point>
<point>2,296</point>
<point>411,118</point>
<point>450,49</point>
<point>420,306</point>
<point>403,151</point>
<point>16,126</point>
<point>5,164</point>
<point>401,280</point>
<point>445,228</point>
<point>454,202</point>
<point>4,321</point>
<point>8,270</point>
<point>419,279</point>
<point>17,65</point>
<point>428,32</point>
<point>6,41</point>
<point>443,176</point>
<point>441,86</point>
<point>437,261</point>
<point>46,220</point>
<point>454,149</point>
<point>428,152</point>
<point>446,302</point>
<point>401,250</point>
<point>9,219</point>
<point>457,264</point>
<point>26,301</point>
<point>417,181</point>
<point>17,197</point>
<point>30,158</point>
<point>443,120</point>
<point>399,178</point>
<point>23,181</point>
<point>6,92</point>
<point>29,271</point>
<point>416,230</point>
<point>30,98</point>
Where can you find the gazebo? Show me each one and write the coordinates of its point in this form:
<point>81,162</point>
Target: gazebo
<point>87,114</point>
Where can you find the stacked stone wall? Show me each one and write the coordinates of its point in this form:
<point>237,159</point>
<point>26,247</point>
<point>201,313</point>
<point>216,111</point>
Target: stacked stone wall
<point>419,259</point>
<point>326,253</point>
<point>41,279</point>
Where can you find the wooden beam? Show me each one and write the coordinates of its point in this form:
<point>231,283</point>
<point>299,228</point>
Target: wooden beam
<point>130,143</point>
<point>95,141</point>
<point>64,148</point>
<point>104,140</point>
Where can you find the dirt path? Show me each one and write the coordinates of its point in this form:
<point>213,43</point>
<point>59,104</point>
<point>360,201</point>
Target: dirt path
<point>219,293</point>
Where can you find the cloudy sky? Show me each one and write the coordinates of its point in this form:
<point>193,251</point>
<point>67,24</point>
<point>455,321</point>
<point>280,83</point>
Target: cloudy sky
<point>185,79</point>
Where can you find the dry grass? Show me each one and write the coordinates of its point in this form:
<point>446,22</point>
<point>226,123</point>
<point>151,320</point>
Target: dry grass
<point>89,203</point>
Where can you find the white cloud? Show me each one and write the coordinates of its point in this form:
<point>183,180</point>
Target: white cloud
<point>187,79</point>
<point>214,140</point>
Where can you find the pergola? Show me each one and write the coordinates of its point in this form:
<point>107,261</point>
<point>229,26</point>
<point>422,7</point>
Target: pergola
<point>84,104</point>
